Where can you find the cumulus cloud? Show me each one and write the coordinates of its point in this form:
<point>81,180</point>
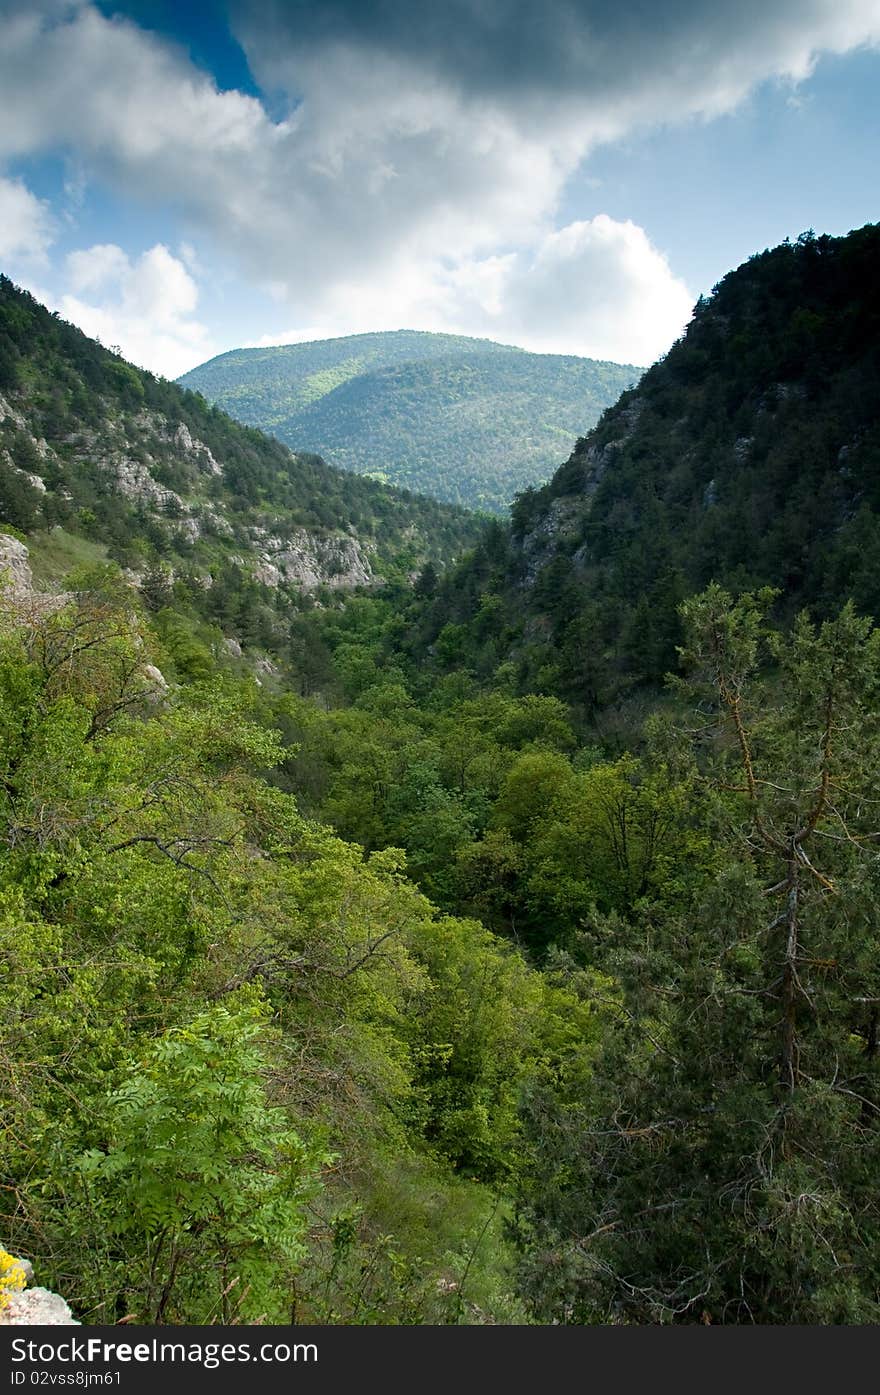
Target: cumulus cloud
<point>420,150</point>
<point>599,288</point>
<point>26,225</point>
<point>144,306</point>
<point>596,287</point>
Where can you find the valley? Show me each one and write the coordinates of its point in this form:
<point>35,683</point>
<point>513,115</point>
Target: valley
<point>417,917</point>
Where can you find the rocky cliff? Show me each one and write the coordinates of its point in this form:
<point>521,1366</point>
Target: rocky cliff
<point>149,475</point>
<point>133,454</point>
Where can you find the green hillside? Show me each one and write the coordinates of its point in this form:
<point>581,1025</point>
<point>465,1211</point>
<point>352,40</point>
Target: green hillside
<point>698,859</point>
<point>750,455</point>
<point>268,385</point>
<point>464,420</point>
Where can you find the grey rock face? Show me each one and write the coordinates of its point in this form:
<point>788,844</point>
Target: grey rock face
<point>17,591</point>
<point>156,677</point>
<point>134,480</point>
<point>741,447</point>
<point>215,522</point>
<point>6,410</point>
<point>185,442</point>
<point>34,481</point>
<point>562,519</point>
<point>267,574</point>
<point>112,448</point>
<point>183,439</point>
<point>14,565</point>
<point>310,560</point>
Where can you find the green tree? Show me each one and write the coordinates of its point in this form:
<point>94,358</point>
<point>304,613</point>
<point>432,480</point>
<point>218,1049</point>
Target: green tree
<point>723,1166</point>
<point>199,1195</point>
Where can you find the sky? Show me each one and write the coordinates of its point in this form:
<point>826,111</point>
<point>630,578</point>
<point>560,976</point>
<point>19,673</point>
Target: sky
<point>180,179</point>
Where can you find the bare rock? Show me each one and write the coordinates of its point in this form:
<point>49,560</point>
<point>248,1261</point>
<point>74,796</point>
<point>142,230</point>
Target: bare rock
<point>741,447</point>
<point>216,522</point>
<point>311,560</point>
<point>156,677</point>
<point>560,523</point>
<point>34,481</point>
<point>14,564</point>
<point>134,480</point>
<point>185,442</point>
<point>182,438</point>
<point>6,410</point>
<point>22,1305</point>
<point>267,574</point>
<point>37,1307</point>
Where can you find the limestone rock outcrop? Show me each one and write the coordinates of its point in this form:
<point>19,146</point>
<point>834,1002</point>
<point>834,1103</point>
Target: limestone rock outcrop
<point>22,1305</point>
<point>15,569</point>
<point>309,560</point>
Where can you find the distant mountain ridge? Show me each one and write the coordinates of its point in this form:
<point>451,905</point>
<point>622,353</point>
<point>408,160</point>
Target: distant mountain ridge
<point>465,420</point>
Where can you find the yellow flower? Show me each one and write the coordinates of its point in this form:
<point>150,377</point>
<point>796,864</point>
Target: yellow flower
<point>12,1277</point>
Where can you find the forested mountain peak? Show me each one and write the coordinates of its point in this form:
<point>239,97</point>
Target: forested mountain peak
<point>461,419</point>
<point>376,346</point>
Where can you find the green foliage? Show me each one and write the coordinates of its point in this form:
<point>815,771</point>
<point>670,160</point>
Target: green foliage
<point>199,1194</point>
<point>19,499</point>
<point>336,980</point>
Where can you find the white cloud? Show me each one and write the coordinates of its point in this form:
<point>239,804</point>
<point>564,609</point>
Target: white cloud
<point>297,334</point>
<point>143,306</point>
<point>598,288</point>
<point>26,225</point>
<point>96,268</point>
<point>425,152</point>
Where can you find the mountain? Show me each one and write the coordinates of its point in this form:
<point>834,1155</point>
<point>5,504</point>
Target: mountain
<point>101,460</point>
<point>749,455</point>
<point>465,420</point>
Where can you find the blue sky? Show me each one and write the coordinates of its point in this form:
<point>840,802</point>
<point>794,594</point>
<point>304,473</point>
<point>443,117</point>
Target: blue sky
<point>181,179</point>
